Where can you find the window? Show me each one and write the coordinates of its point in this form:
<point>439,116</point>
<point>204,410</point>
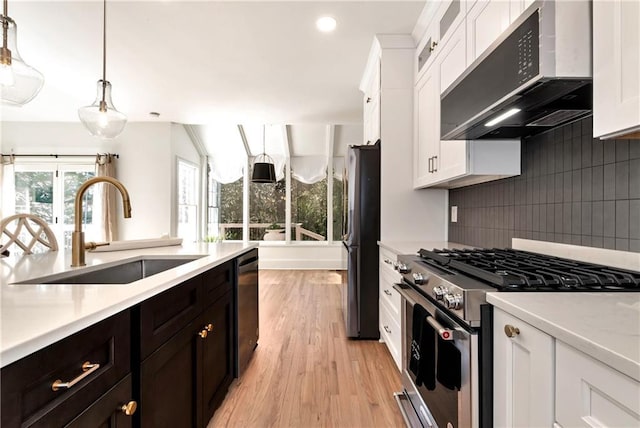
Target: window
<point>48,190</point>
<point>225,219</point>
<point>339,199</point>
<point>267,204</point>
<point>187,201</point>
<point>309,210</point>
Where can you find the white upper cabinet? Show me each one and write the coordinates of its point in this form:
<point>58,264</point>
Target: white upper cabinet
<point>487,19</point>
<point>456,163</point>
<point>371,104</point>
<point>616,68</point>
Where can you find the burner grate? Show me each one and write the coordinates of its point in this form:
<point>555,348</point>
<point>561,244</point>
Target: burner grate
<point>514,270</point>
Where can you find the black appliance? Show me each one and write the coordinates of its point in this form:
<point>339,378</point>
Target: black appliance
<point>536,76</point>
<point>360,290</point>
<point>451,285</point>
<point>246,310</point>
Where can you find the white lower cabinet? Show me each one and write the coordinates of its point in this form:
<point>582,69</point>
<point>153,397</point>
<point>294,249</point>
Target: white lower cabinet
<point>389,306</point>
<point>592,394</point>
<point>522,373</point>
<point>540,381</point>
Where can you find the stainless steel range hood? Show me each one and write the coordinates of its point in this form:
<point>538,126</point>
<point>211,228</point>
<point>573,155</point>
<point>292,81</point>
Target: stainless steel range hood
<point>536,76</point>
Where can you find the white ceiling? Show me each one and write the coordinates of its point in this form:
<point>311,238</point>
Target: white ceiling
<point>204,61</point>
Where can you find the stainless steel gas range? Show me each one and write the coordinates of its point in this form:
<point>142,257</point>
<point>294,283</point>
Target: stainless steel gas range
<point>447,324</point>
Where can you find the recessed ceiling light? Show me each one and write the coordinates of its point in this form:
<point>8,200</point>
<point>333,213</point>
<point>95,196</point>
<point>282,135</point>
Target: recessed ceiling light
<point>326,24</point>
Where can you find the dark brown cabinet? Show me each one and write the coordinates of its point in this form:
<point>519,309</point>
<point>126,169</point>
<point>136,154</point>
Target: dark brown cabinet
<point>185,379</point>
<point>114,409</point>
<point>30,395</point>
<point>174,354</point>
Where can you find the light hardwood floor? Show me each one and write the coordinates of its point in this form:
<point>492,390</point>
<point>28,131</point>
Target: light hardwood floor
<point>305,372</point>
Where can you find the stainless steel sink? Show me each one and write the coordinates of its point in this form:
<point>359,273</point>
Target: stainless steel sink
<point>124,272</point>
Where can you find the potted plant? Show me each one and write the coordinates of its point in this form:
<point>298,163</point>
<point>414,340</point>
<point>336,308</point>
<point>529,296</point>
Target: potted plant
<point>274,232</point>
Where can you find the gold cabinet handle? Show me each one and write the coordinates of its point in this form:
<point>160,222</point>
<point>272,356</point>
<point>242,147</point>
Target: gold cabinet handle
<point>130,408</point>
<point>209,327</point>
<point>511,331</point>
<point>203,333</point>
<point>87,369</point>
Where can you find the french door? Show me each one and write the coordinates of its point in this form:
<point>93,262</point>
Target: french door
<point>48,190</point>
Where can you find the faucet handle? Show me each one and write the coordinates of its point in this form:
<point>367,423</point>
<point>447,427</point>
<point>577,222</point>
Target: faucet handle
<point>94,245</point>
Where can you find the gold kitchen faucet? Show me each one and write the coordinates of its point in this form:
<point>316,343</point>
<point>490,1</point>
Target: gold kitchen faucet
<point>77,238</point>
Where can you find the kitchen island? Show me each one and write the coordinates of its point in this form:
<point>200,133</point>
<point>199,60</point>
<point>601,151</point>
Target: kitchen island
<point>89,346</point>
<point>33,316</point>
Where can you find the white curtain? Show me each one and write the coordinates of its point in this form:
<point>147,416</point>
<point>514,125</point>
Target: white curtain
<point>309,169</point>
<point>7,185</point>
<point>106,195</point>
<point>227,167</point>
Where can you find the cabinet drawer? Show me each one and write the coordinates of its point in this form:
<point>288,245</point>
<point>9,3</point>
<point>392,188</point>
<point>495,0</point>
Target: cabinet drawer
<point>164,315</point>
<point>28,399</point>
<point>590,393</point>
<point>107,411</point>
<point>218,281</point>
<point>388,257</point>
<point>390,333</point>
<point>388,294</point>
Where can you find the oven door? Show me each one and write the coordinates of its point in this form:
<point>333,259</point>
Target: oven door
<point>455,356</point>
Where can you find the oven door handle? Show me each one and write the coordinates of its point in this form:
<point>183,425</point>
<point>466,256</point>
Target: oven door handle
<point>444,333</point>
<point>405,293</point>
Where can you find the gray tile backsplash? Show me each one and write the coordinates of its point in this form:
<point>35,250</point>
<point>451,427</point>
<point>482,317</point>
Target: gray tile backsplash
<point>573,189</point>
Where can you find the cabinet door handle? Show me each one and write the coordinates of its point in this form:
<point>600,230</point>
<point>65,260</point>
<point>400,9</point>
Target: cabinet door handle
<point>387,292</point>
<point>368,100</point>
<point>130,408</point>
<point>203,333</point>
<point>87,369</point>
<point>209,327</point>
<point>429,167</point>
<point>433,45</point>
<point>388,261</point>
<point>511,331</point>
<point>387,329</point>
<point>435,163</point>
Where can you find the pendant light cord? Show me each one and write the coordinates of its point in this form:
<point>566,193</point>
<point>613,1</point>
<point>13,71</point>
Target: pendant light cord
<point>104,48</point>
<point>5,23</point>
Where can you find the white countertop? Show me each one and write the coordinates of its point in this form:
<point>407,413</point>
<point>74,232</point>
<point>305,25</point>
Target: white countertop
<point>412,247</point>
<point>605,326</point>
<point>35,316</point>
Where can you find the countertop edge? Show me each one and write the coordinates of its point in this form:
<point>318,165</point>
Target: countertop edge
<point>20,350</point>
<point>595,350</point>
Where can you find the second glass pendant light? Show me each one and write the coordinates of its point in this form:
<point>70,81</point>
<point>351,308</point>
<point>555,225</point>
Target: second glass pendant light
<point>101,118</point>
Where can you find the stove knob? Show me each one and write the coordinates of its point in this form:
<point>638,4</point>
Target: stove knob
<point>403,268</point>
<point>439,292</point>
<point>453,301</point>
<point>418,278</point>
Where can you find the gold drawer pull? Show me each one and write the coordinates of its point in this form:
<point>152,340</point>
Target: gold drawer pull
<point>209,327</point>
<point>511,331</point>
<point>130,408</point>
<point>87,369</point>
<point>203,333</point>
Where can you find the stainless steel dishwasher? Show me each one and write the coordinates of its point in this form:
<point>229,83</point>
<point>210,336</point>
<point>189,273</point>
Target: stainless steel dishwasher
<point>247,320</point>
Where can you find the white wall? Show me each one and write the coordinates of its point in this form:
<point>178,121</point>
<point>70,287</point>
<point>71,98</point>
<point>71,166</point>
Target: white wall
<point>312,256</point>
<point>144,168</point>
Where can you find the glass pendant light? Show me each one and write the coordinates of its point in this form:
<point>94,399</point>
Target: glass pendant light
<point>101,118</point>
<point>19,82</point>
<point>264,171</point>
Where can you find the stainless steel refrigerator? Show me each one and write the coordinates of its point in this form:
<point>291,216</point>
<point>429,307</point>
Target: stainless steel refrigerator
<point>360,289</point>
